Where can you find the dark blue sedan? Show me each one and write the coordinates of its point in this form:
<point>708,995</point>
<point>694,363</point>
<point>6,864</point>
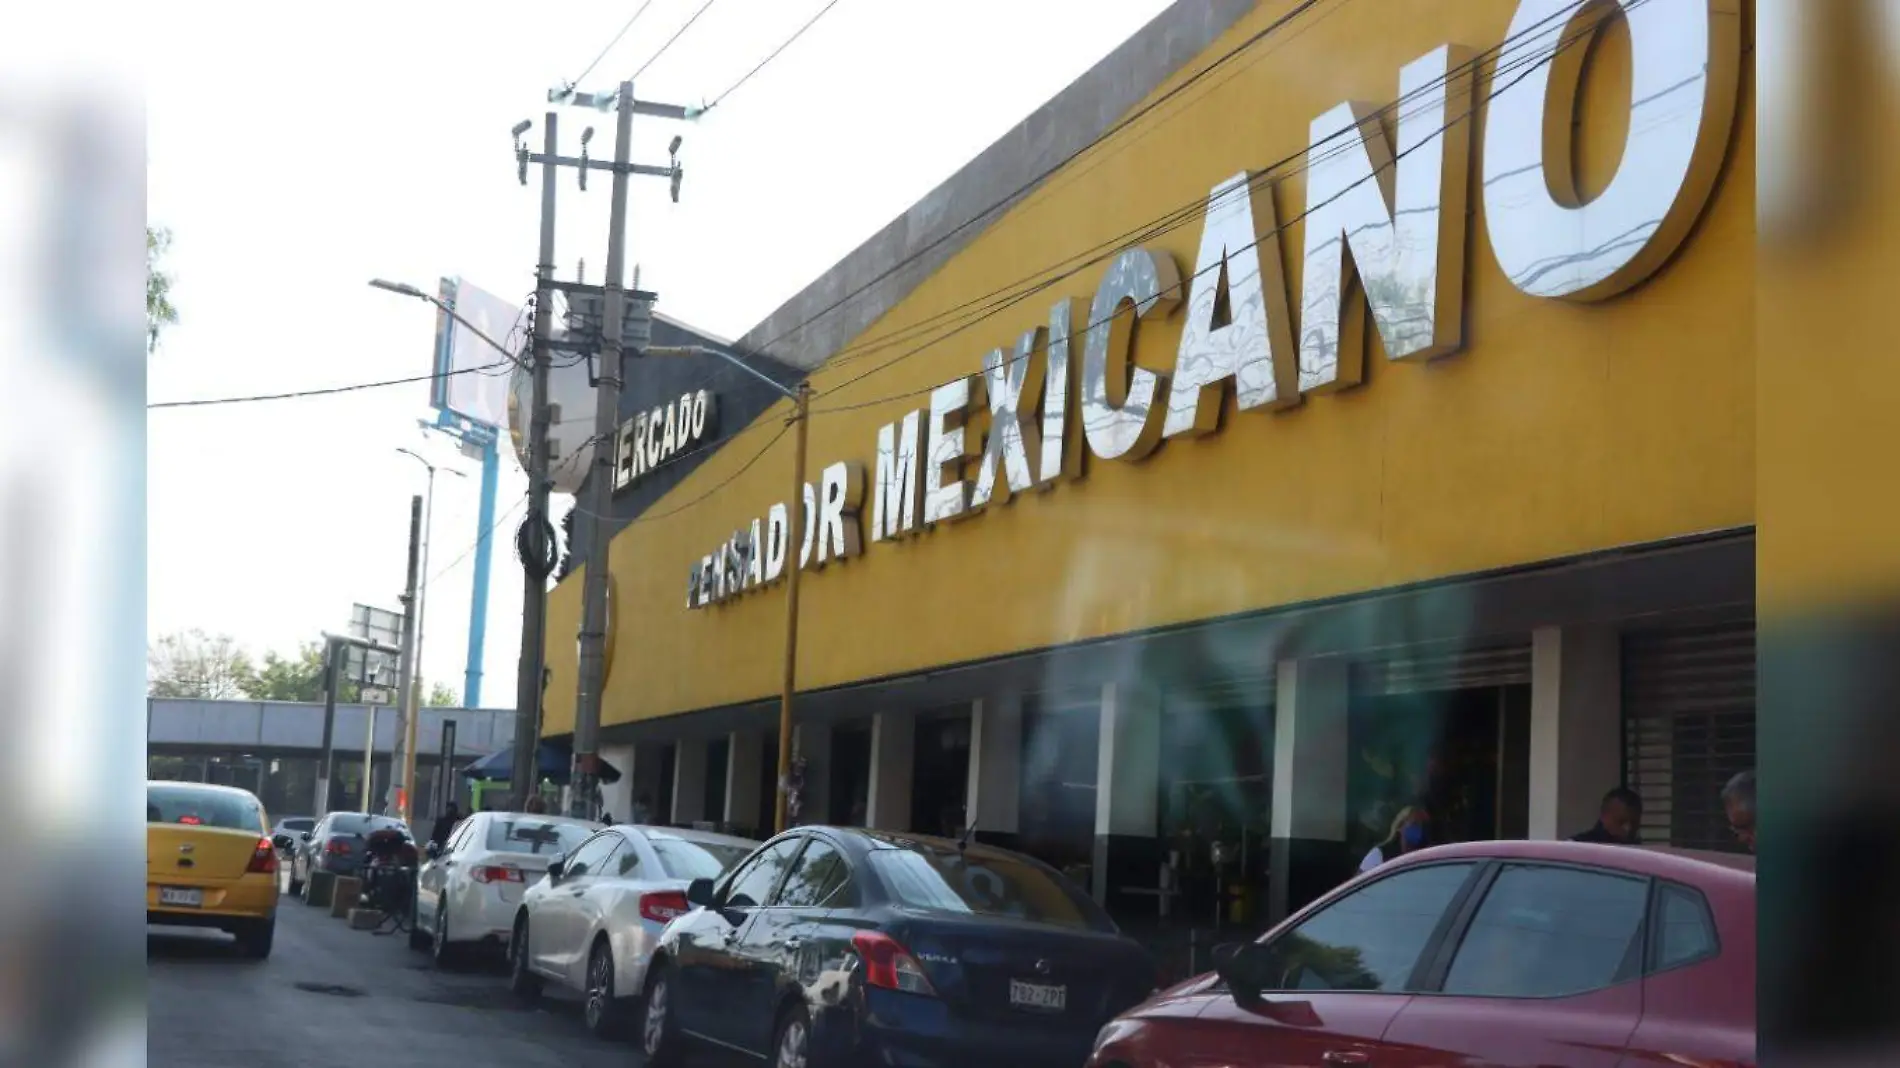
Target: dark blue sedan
<point>845,947</point>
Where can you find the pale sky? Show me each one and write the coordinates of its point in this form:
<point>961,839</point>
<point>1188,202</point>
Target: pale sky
<point>296,153</point>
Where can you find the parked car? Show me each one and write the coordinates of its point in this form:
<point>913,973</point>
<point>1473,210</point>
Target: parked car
<point>284,833</point>
<point>592,924</point>
<point>1564,954</point>
<point>210,863</point>
<point>334,845</point>
<point>470,889</point>
<point>832,946</point>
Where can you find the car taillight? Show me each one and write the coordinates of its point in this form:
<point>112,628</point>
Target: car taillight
<point>495,873</point>
<point>888,965</point>
<point>336,847</point>
<point>663,907</point>
<point>264,859</point>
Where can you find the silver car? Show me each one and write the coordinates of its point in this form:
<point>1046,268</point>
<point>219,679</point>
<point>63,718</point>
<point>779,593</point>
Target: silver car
<point>592,923</point>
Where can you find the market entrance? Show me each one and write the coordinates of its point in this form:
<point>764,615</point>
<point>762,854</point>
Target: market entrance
<point>1454,737</point>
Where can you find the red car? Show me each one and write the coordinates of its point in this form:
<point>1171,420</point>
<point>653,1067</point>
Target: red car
<point>1547,954</point>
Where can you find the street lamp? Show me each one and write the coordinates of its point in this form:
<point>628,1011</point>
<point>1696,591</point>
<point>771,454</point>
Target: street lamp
<point>404,289</point>
<point>422,599</point>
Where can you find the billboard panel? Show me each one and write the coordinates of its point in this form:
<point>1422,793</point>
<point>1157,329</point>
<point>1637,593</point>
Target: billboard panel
<point>468,383</point>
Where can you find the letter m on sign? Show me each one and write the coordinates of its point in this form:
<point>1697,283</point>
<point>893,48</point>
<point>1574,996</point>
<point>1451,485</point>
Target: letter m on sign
<point>899,487</point>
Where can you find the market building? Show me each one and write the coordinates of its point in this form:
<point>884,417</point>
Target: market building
<point>1315,408</point>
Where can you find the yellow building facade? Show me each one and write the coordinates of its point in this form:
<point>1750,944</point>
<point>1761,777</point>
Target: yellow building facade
<point>1493,328</point>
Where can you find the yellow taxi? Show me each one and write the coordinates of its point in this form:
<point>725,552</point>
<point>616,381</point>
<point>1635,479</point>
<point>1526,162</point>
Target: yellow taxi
<point>209,862</point>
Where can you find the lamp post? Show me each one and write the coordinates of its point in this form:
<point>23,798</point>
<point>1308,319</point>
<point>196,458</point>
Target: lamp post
<point>411,728</point>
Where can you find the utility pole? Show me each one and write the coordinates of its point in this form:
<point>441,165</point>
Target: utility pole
<point>406,670</point>
<point>332,682</point>
<point>525,777</point>
<point>615,323</point>
<point>794,537</point>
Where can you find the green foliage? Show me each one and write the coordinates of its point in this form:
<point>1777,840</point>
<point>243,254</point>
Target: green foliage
<point>196,664</point>
<point>159,311</point>
<point>441,696</point>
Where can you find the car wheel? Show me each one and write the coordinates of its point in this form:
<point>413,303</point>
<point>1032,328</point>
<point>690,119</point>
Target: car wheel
<point>791,1042</point>
<point>603,1009</point>
<point>659,1035</point>
<point>254,938</point>
<point>418,938</point>
<point>446,957</point>
<point>522,981</point>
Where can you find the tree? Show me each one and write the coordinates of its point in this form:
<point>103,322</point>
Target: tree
<point>194,664</point>
<point>441,696</point>
<point>159,312</point>
<point>298,677</point>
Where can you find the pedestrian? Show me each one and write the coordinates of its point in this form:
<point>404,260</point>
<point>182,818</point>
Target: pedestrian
<point>1409,829</point>
<point>445,824</point>
<point>1617,819</point>
<point>536,805</point>
<point>643,809</point>
<point>607,818</point>
<point>1738,803</point>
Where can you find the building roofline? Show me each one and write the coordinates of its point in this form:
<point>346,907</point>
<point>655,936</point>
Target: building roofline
<point>1067,123</point>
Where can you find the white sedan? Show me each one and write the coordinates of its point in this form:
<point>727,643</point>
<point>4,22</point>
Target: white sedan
<point>591,925</point>
<point>468,892</point>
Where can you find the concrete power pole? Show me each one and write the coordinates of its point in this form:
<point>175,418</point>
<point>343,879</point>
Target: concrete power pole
<point>593,666</point>
<point>398,803</point>
<point>525,777</point>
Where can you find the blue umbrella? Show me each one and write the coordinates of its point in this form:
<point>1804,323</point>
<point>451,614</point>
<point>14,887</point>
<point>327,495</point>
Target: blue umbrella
<point>554,763</point>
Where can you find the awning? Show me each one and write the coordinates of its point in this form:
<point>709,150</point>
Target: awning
<point>554,763</point>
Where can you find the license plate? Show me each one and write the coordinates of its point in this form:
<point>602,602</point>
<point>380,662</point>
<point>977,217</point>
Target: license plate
<point>1038,996</point>
<point>174,895</point>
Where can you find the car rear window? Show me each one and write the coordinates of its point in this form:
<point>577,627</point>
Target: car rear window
<point>684,858</point>
<point>299,825</point>
<point>194,806</point>
<point>537,837</point>
<point>983,884</point>
<point>361,824</point>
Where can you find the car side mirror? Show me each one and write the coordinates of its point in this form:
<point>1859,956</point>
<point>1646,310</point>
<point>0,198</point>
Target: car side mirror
<point>432,850</point>
<point>304,836</point>
<point>281,841</point>
<point>1238,965</point>
<point>699,892</point>
<point>556,867</point>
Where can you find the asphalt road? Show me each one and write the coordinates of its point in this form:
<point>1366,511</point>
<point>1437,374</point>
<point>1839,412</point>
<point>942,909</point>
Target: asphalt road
<point>329,995</point>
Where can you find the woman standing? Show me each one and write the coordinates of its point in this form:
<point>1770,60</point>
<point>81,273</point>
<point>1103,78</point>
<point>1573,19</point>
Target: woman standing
<point>1409,829</point>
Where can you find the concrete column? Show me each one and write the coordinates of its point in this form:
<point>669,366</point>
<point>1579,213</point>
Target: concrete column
<point>689,780</point>
<point>1311,757</point>
<point>996,768</point>
<point>893,749</point>
<point>1127,790</point>
<point>813,742</point>
<point>616,799</point>
<point>745,756</point>
<point>1576,744</point>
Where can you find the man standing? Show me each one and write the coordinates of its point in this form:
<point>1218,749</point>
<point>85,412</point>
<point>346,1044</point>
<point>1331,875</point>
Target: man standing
<point>445,824</point>
<point>1617,819</point>
<point>1738,803</point>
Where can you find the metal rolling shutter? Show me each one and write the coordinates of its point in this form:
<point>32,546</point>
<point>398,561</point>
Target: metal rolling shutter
<point>1426,669</point>
<point>1688,725</point>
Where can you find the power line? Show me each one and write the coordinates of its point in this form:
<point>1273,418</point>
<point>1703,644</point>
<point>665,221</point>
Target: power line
<point>582,76</point>
<point>770,56</point>
<point>669,41</point>
<point>327,390</point>
<point>1011,197</point>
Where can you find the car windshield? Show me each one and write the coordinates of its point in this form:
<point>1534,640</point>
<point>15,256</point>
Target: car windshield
<point>684,858</point>
<point>982,884</point>
<point>361,824</point>
<point>199,807</point>
<point>538,837</point>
